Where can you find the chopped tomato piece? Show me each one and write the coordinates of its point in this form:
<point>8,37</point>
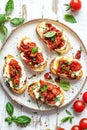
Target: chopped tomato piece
<point>75,66</point>
<point>39,58</point>
<point>78,54</point>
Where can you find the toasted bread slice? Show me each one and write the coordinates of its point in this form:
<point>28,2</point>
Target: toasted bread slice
<point>14,75</point>
<point>55,39</point>
<point>46,92</point>
<point>66,67</point>
<point>32,54</point>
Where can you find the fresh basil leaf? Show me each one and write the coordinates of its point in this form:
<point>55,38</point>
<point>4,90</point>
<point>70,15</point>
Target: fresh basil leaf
<point>9,7</point>
<point>57,99</point>
<point>49,34</point>
<point>44,88</point>
<point>65,85</point>
<point>65,119</point>
<point>69,18</point>
<point>23,120</point>
<point>9,120</point>
<point>17,21</point>
<point>3,33</point>
<point>9,108</point>
<point>68,112</point>
<point>35,49</point>
<point>2,18</point>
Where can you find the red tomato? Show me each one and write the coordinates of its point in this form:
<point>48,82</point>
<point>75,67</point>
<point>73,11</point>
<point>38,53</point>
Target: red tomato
<point>75,5</point>
<point>75,66</point>
<point>59,128</point>
<point>47,75</point>
<point>85,97</point>
<point>78,54</point>
<point>79,106</point>
<point>83,123</point>
<point>76,127</point>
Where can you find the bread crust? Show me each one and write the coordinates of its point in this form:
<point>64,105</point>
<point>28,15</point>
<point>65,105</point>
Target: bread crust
<point>17,91</point>
<point>31,93</point>
<point>54,71</point>
<point>40,34</point>
<point>39,68</point>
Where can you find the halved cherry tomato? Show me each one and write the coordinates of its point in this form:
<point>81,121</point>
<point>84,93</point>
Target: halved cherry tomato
<point>76,127</point>
<point>79,105</point>
<point>75,66</point>
<point>83,123</point>
<point>39,58</point>
<point>75,5</point>
<point>85,97</point>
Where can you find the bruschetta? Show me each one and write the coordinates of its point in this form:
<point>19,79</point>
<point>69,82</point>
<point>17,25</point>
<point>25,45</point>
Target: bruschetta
<point>46,92</point>
<point>31,54</point>
<point>66,67</point>
<point>55,39</point>
<point>14,74</point>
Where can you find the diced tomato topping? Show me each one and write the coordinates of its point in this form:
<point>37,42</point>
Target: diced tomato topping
<point>15,71</point>
<point>39,58</point>
<point>58,42</point>
<point>51,92</point>
<point>75,66</point>
<point>31,58</point>
<point>78,54</point>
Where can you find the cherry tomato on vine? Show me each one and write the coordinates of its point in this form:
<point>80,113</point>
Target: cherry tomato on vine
<point>85,97</point>
<point>79,105</point>
<point>76,127</point>
<point>75,5</point>
<point>83,123</point>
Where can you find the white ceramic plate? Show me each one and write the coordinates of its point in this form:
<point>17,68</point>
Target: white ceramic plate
<point>10,47</point>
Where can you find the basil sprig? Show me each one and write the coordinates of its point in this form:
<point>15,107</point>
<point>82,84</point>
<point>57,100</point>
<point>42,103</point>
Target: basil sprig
<point>68,118</point>
<point>5,18</point>
<point>20,120</point>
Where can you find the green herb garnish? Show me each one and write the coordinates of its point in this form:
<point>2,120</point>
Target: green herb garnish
<point>68,118</point>
<point>20,120</point>
<point>65,85</point>
<point>38,105</point>
<point>49,34</point>
<point>44,88</point>
<point>5,58</point>
<point>57,99</point>
<point>69,18</point>
<point>15,86</point>
<point>35,49</point>
<point>9,79</point>
<point>5,18</point>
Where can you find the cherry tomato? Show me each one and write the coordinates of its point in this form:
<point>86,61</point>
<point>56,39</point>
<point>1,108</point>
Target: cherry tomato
<point>76,127</point>
<point>83,123</point>
<point>85,97</point>
<point>60,128</point>
<point>75,5</point>
<point>79,106</point>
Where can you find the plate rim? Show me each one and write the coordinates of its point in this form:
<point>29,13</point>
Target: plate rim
<point>19,27</point>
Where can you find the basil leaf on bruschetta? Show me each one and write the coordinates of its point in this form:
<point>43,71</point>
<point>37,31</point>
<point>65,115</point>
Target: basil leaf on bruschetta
<point>31,54</point>
<point>46,92</point>
<point>55,39</point>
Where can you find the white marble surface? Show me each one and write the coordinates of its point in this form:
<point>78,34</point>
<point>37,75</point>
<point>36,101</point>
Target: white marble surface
<point>38,9</point>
